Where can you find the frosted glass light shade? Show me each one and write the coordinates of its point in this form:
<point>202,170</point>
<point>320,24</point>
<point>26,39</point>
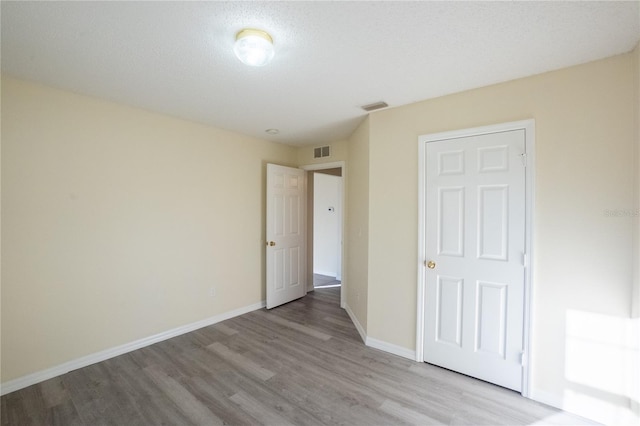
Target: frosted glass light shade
<point>253,47</point>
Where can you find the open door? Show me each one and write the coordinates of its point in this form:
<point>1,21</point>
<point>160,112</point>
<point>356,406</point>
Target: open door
<point>286,239</point>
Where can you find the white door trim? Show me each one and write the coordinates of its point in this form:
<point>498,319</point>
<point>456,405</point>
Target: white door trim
<point>333,165</point>
<point>529,128</point>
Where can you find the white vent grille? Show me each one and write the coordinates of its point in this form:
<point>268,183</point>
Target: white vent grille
<point>374,106</point>
<point>322,151</point>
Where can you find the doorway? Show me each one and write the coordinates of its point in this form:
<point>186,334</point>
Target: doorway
<point>327,227</point>
<point>325,224</point>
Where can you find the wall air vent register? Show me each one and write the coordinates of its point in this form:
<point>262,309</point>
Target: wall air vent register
<point>322,151</point>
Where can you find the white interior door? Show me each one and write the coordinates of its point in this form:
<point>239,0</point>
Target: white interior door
<point>475,251</point>
<point>286,242</point>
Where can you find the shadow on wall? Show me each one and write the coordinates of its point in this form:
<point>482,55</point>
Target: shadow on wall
<point>602,366</point>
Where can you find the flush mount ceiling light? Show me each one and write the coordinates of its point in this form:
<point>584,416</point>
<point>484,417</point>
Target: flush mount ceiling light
<point>253,47</point>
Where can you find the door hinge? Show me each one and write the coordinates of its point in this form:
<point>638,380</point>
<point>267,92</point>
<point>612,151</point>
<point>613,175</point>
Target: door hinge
<point>523,358</point>
<point>523,158</point>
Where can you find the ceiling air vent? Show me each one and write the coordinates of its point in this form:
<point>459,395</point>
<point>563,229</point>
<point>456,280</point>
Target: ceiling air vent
<point>321,151</point>
<point>374,106</point>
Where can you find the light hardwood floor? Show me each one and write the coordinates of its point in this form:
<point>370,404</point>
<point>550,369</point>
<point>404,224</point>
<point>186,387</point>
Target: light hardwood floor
<point>302,364</point>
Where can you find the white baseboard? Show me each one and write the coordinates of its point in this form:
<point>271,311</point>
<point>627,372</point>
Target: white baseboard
<point>354,320</point>
<point>593,408</point>
<point>379,344</point>
<point>49,373</point>
<point>391,348</point>
<point>547,398</point>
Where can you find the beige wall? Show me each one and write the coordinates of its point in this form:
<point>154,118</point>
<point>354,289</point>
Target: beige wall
<point>357,229</point>
<point>116,222</point>
<point>583,262</point>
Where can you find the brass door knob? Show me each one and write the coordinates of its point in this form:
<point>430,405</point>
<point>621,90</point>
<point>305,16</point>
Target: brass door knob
<point>431,264</point>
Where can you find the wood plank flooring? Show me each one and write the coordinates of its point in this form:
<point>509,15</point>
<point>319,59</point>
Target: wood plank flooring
<point>300,364</point>
<point>325,281</point>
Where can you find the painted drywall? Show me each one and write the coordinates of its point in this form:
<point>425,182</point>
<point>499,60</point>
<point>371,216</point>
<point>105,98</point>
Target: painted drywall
<point>117,222</point>
<point>327,216</point>
<point>356,244</point>
<point>585,147</point>
<point>338,172</point>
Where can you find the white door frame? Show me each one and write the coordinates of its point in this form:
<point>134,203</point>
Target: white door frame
<point>529,128</point>
<point>333,165</point>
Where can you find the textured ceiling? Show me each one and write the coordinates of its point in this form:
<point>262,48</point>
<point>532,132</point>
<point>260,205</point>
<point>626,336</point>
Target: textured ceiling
<point>331,57</point>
